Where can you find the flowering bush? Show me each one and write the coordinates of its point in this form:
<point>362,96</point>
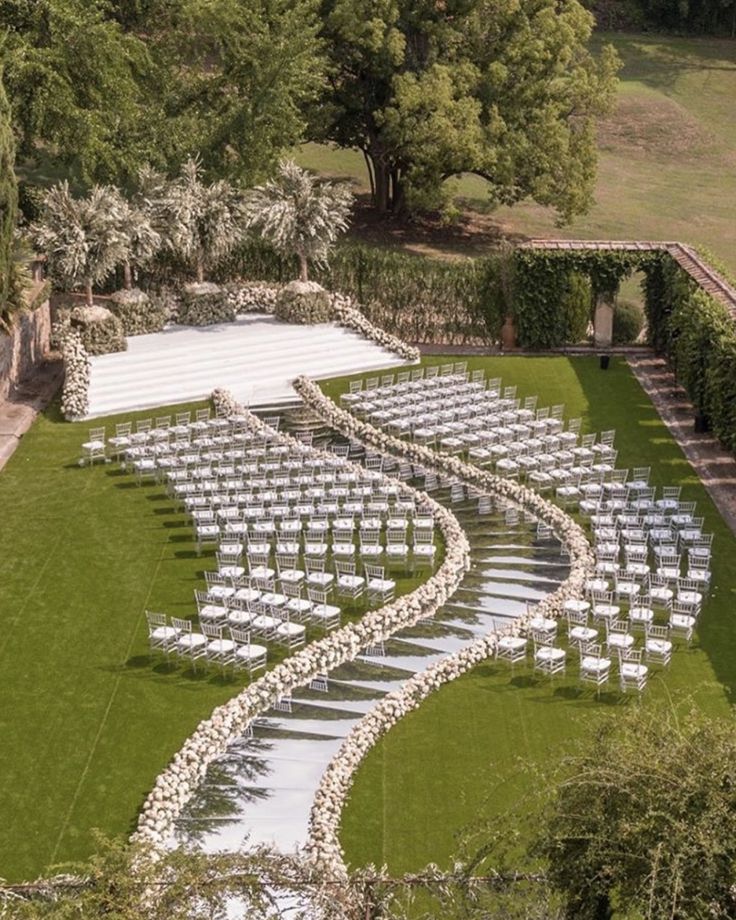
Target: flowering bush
<point>203,304</point>
<point>137,313</point>
<point>252,297</point>
<point>100,331</point>
<point>303,302</point>
<point>175,786</point>
<point>75,391</point>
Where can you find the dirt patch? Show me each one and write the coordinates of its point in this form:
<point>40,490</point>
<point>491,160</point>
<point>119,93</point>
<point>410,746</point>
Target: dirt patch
<point>658,127</point>
<point>473,234</point>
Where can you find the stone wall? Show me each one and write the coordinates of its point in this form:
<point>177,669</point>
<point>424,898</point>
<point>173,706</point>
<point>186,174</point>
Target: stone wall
<point>27,344</point>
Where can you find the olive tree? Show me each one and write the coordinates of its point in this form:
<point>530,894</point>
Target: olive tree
<point>299,214</point>
<point>83,237</point>
<point>199,222</point>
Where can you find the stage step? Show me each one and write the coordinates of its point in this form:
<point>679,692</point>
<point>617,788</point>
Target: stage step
<point>256,357</point>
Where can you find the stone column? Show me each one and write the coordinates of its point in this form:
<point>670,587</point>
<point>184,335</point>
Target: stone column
<point>603,322</point>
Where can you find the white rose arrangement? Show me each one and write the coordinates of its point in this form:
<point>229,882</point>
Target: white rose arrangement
<point>75,391</point>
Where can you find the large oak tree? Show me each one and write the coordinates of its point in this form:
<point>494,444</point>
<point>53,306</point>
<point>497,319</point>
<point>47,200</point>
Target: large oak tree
<point>505,89</point>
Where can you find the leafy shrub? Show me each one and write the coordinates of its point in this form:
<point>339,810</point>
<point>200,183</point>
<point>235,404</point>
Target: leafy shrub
<point>203,304</point>
<point>576,306</point>
<point>627,322</point>
<point>136,312</point>
<point>100,331</point>
<point>303,302</point>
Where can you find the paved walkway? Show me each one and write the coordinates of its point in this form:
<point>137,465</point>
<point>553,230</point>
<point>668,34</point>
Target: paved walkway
<point>21,407</point>
<point>714,465</point>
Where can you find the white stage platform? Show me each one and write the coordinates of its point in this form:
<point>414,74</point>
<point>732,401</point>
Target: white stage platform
<point>256,358</point>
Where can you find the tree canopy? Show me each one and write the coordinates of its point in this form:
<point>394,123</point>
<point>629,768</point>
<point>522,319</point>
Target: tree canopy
<point>240,76</point>
<point>83,237</point>
<point>77,86</point>
<point>644,821</point>
<point>505,89</point>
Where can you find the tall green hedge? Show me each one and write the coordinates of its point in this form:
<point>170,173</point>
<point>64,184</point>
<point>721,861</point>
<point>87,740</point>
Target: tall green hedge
<point>8,198</point>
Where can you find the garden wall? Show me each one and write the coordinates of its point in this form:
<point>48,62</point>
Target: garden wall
<point>28,342</point>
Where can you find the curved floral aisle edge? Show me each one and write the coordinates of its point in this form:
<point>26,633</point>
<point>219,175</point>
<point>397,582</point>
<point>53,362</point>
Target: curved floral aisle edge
<point>175,786</point>
<point>323,844</point>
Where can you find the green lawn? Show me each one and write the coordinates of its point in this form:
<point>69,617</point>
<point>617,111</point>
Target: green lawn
<point>667,163</point>
<point>458,757</point>
<point>86,720</point>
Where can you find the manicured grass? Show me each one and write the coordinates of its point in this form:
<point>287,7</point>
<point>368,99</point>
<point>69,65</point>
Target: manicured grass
<point>666,166</point>
<point>86,719</point>
<point>458,758</point>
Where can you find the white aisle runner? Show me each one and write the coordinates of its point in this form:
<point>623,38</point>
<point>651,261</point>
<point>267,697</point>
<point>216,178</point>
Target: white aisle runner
<point>256,358</point>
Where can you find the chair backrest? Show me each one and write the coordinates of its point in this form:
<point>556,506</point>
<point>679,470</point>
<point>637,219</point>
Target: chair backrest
<point>541,637</point>
<point>291,589</point>
<point>123,429</point>
<point>97,434</point>
<point>155,619</point>
<point>617,626</point>
<point>202,415</point>
<point>657,632</point>
<point>317,595</point>
<point>183,418</point>
<point>144,424</point>
<point>374,571</point>
<point>240,636</point>
<point>344,568</point>
<point>211,631</point>
<point>163,421</point>
<point>425,537</point>
<point>181,625</point>
<point>314,564</point>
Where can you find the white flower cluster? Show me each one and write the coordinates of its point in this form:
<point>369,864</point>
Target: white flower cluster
<point>178,782</point>
<point>254,297</point>
<point>75,392</point>
<point>323,844</point>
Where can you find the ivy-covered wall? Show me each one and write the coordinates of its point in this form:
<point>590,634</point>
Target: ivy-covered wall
<point>8,199</point>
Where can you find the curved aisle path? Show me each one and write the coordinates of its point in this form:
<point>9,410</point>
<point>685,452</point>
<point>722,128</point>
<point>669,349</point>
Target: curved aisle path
<point>262,789</point>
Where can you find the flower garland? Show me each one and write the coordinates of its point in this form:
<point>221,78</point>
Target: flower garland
<point>75,391</point>
<point>563,526</point>
<point>324,823</point>
<point>177,783</point>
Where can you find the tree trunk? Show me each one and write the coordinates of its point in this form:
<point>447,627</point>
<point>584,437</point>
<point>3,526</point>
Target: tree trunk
<point>127,276</point>
<point>382,196</point>
<point>303,267</point>
<point>200,269</point>
<point>88,291</point>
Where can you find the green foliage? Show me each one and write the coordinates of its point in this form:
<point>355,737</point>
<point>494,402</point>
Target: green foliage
<point>299,215</point>
<point>76,83</point>
<point>644,820</point>
<point>416,298</point>
<point>576,308</point>
<point>627,322</point>
<point>500,88</point>
<point>238,78</point>
<point>8,200</point>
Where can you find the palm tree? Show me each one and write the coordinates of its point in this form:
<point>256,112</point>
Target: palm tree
<point>299,214</point>
<point>199,222</point>
<point>81,236</point>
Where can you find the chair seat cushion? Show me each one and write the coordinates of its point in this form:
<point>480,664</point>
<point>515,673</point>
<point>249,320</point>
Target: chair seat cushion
<point>192,641</point>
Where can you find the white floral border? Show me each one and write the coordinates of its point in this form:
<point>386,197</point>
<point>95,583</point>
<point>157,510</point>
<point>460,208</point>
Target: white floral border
<point>75,391</point>
<point>323,845</point>
<point>175,786</point>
